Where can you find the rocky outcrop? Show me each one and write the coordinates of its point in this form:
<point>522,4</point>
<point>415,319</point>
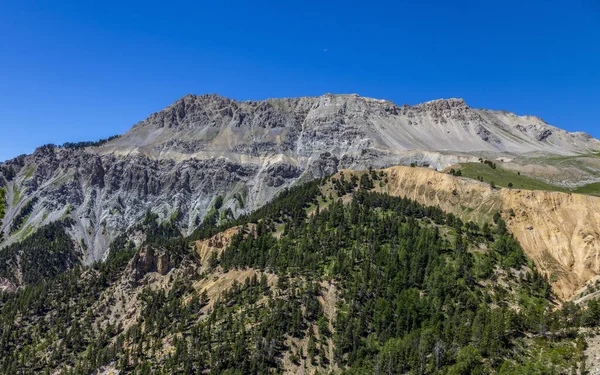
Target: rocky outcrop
<point>149,259</point>
<point>302,126</point>
<point>6,286</point>
<point>560,232</point>
<point>216,244</point>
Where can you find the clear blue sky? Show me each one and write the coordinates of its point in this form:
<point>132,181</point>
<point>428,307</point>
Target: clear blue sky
<point>71,71</point>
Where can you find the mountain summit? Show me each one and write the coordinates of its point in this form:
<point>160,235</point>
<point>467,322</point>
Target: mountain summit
<point>199,126</point>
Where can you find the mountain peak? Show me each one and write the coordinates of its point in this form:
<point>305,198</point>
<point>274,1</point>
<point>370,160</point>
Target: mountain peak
<point>445,103</point>
<point>292,126</point>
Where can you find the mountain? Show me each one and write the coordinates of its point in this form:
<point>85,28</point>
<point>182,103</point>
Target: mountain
<point>178,161</point>
<point>332,234</point>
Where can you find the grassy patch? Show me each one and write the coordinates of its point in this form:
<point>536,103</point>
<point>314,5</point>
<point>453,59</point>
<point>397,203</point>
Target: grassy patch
<point>63,179</point>
<point>16,195</point>
<point>17,228</point>
<point>2,202</point>
<point>590,189</point>
<point>29,171</point>
<point>571,160</point>
<point>505,178</point>
<point>23,216</point>
<point>560,158</point>
<point>25,232</point>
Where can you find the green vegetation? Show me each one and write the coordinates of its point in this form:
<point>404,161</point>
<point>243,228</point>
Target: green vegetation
<point>21,218</point>
<point>455,172</point>
<point>16,195</point>
<point>60,303</point>
<point>489,163</point>
<point>590,189</point>
<point>563,158</point>
<point>2,210</point>
<point>158,233</point>
<point>211,219</point>
<point>218,202</point>
<point>29,171</point>
<point>418,291</point>
<point>26,231</point>
<point>240,199</point>
<point>290,204</point>
<point>503,177</point>
<point>2,203</point>
<point>402,282</point>
<point>89,143</point>
<point>41,256</point>
<point>175,217</point>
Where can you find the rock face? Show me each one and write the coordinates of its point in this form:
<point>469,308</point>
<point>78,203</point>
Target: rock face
<point>148,260</point>
<point>6,286</point>
<point>212,126</point>
<point>179,160</point>
<point>215,244</point>
<point>560,232</point>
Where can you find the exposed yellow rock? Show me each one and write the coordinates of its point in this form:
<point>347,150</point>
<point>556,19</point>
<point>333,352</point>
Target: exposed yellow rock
<point>466,198</point>
<point>559,231</point>
<point>218,282</point>
<point>216,244</point>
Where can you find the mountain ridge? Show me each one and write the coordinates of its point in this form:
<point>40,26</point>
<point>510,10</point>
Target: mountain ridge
<point>387,125</point>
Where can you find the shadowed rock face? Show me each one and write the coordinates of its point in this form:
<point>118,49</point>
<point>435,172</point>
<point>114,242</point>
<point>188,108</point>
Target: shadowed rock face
<point>181,158</point>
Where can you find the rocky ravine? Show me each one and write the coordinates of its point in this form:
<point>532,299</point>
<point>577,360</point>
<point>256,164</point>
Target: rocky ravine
<point>176,162</point>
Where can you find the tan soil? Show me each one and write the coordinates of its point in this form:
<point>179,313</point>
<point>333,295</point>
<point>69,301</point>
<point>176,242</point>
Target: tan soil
<point>217,243</point>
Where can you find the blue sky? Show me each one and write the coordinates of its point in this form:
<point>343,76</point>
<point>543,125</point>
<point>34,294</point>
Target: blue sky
<point>83,70</point>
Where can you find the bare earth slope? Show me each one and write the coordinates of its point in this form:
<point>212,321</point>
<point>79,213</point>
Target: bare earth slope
<point>559,231</point>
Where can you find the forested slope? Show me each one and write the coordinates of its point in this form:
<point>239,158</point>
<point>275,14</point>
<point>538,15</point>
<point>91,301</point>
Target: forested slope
<point>331,277</point>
